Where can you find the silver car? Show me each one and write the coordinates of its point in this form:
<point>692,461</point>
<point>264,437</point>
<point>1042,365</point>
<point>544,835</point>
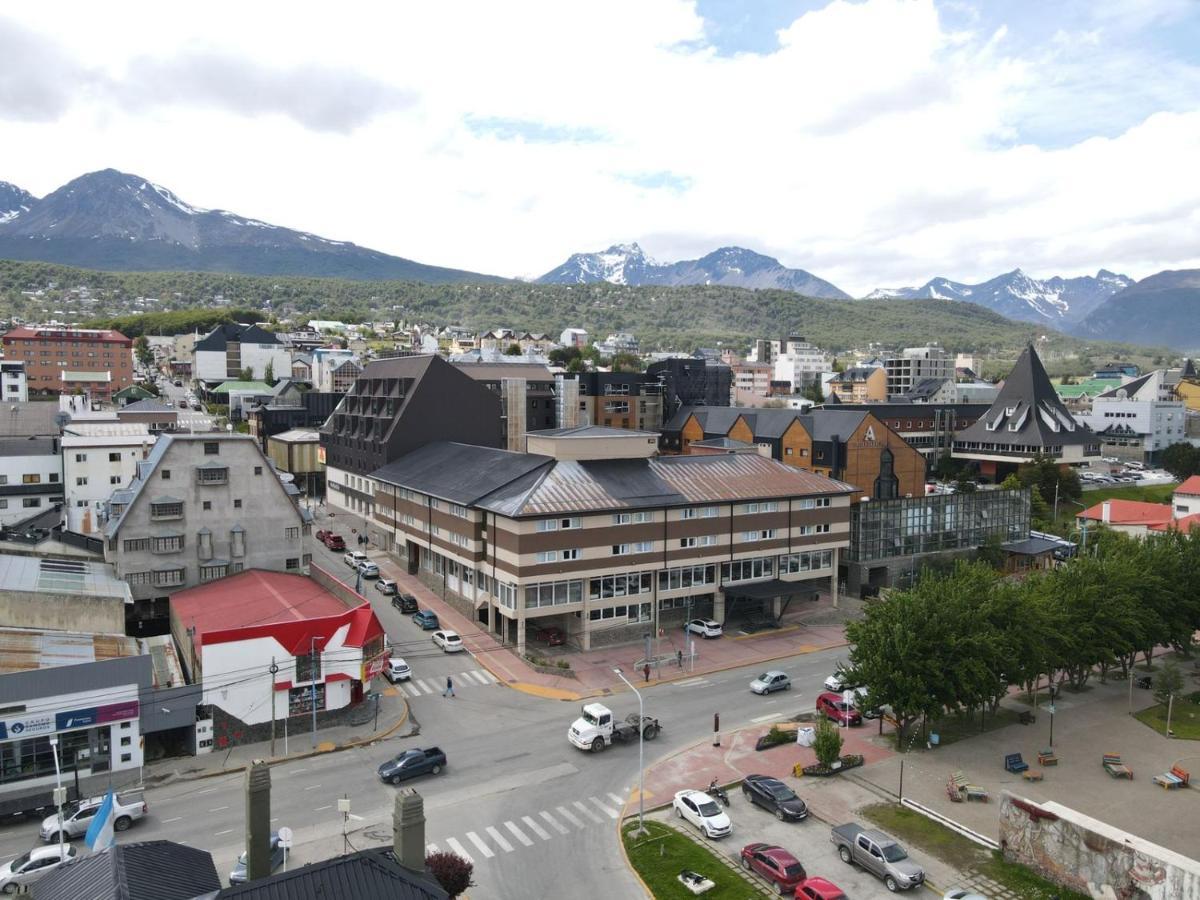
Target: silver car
<point>771,681</point>
<point>29,867</point>
<point>278,856</point>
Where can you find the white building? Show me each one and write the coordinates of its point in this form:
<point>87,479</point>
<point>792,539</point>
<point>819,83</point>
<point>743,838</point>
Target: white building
<point>800,366</point>
<point>620,342</point>
<point>913,365</point>
<point>14,387</point>
<point>767,351</point>
<point>325,361</point>
<point>574,337</point>
<point>95,465</point>
<point>30,477</point>
<point>230,348</point>
<point>1139,419</point>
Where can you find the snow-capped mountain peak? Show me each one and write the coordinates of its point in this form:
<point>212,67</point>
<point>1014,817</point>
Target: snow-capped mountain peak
<point>13,201</point>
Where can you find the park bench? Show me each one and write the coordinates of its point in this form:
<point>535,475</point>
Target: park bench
<point>958,788</point>
<point>1013,763</point>
<point>1047,757</point>
<point>1176,778</point>
<point>1114,767</point>
<point>1026,717</point>
<point>1032,775</point>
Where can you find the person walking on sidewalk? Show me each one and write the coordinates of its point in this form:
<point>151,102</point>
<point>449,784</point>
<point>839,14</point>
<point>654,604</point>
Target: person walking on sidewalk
<point>449,691</point>
<point>679,658</point>
<point>646,672</point>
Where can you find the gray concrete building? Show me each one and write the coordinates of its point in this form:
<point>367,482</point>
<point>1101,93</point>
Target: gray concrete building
<point>201,507</point>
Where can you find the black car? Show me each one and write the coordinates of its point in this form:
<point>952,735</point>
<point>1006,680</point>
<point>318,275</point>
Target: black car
<point>406,603</point>
<point>772,794</point>
<point>413,762</point>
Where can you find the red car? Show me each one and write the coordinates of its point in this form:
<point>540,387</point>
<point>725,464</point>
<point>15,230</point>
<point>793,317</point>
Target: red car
<point>834,707</point>
<point>331,540</point>
<point>774,864</point>
<point>817,888</point>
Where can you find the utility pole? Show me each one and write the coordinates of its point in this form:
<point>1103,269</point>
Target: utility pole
<point>312,659</point>
<point>273,670</point>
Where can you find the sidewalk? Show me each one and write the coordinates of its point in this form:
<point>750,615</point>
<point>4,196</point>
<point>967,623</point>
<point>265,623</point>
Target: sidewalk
<point>593,670</point>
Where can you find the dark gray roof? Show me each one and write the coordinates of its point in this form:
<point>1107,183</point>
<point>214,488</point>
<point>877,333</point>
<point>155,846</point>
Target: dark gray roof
<point>724,443</point>
<point>29,418</point>
<point>1031,546</point>
<point>1130,387</point>
<point>1027,412</point>
<point>460,473</point>
<point>366,875</point>
<point>219,337</point>
<point>589,431</point>
<point>717,420</point>
<point>148,870</point>
<point>898,408</point>
<point>28,446</point>
<point>856,373</point>
<point>926,387</point>
<point>144,406</point>
<point>824,424</point>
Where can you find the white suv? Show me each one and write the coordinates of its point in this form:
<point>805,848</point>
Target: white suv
<point>354,558</point>
<point>704,812</point>
<point>705,628</point>
<point>397,670</point>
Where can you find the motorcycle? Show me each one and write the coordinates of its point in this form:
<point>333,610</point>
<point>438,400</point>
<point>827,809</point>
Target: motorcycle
<point>1144,681</point>
<point>715,790</point>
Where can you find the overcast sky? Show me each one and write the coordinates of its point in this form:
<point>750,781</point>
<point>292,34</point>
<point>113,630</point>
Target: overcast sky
<point>874,143</point>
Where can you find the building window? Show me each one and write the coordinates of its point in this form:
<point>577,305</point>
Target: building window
<point>572,522</point>
<point>636,518</point>
<point>172,544</point>
<point>166,474</point>
<point>553,593</point>
<point>823,528</point>
<point>54,478</point>
<point>139,577</point>
<point>308,666</point>
<point>81,481</point>
<point>815,502</point>
<point>209,573</point>
<point>686,577</point>
<point>293,563</point>
<point>305,559</point>
<point>620,585</point>
<point>549,556</point>
<point>31,479</point>
<point>212,475</point>
<point>457,510</point>
<point>764,534</point>
<point>258,470</point>
<point>237,503</point>
<point>703,540</point>
<point>745,569</point>
<point>31,502</point>
<point>135,544</point>
<point>206,504</point>
<point>212,448</point>
<point>620,549</point>
<point>114,457</point>
<point>292,533</point>
<point>168,577</point>
<point>698,512</point>
<point>547,525</point>
<point>80,457</point>
<point>166,510</point>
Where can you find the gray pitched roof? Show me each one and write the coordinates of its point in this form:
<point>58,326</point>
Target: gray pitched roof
<point>1130,387</point>
<point>219,337</point>
<point>28,419</point>
<point>825,424</point>
<point>926,387</point>
<point>28,446</point>
<point>144,406</point>
<point>147,870</point>
<point>1027,412</point>
<point>460,473</point>
<point>367,874</point>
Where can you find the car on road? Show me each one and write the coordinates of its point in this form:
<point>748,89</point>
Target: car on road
<point>278,854</point>
<point>406,603</point>
<point>331,540</point>
<point>449,641</point>
<point>775,864</point>
<point>29,867</point>
<point>705,628</point>
<point>774,796</point>
<point>386,586</point>
<point>839,681</point>
<point>368,569</point>
<point>549,635</point>
<point>832,706</point>
<point>427,619</point>
<point>353,558</point>
<point>177,383</point>
<point>818,888</point>
<point>397,670</point>
<point>413,762</point>
<point>771,681</point>
<point>78,815</point>
<point>702,811</point>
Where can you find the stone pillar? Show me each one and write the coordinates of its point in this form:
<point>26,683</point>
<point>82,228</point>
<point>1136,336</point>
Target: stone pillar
<point>258,820</point>
<point>776,607</point>
<point>719,606</point>
<point>833,579</point>
<point>408,830</point>
<point>520,621</point>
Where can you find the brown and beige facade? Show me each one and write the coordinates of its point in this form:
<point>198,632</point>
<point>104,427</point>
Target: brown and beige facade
<point>614,547</point>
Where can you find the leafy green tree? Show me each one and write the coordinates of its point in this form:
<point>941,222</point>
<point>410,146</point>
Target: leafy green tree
<point>992,552</point>
<point>246,374</point>
<point>269,373</point>
<point>141,350</point>
<point>827,743</point>
<point>1168,682</point>
<point>562,356</point>
<point>947,467</point>
<point>513,349</point>
<point>812,391</point>
<point>1181,460</point>
<point>627,362</point>
<point>965,485</point>
<point>577,365</point>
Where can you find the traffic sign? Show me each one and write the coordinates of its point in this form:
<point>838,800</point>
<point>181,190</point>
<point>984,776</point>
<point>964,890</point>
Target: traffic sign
<point>285,838</point>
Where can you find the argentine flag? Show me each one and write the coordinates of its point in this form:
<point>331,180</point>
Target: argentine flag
<point>100,832</point>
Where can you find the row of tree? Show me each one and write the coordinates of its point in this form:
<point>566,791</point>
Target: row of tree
<point>956,642</point>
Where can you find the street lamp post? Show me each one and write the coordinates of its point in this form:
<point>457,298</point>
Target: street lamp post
<point>641,758</point>
<point>60,794</point>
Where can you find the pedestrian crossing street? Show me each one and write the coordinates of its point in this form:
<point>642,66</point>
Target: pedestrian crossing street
<point>515,834</point>
<point>417,687</point>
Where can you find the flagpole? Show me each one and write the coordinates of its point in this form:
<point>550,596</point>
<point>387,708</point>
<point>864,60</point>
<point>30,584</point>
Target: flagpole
<point>58,796</point>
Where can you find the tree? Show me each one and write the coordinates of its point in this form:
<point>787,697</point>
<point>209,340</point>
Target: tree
<point>838,367</point>
<point>269,373</point>
<point>1168,683</point>
<point>991,552</point>
<point>513,349</point>
<point>828,743</point>
<point>452,872</point>
<point>141,349</point>
<point>246,374</point>
<point>562,356</point>
<point>577,365</point>
<point>812,391</point>
<point>965,485</point>
<point>626,362</point>
<point>947,467</point>
<point>1181,460</point>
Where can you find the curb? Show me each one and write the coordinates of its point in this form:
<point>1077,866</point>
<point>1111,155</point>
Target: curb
<point>307,754</point>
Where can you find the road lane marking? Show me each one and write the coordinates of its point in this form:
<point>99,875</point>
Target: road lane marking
<point>767,718</point>
<point>569,816</point>
<point>219,809</point>
<point>431,848</point>
<point>479,677</point>
<point>553,821</point>
<point>169,821</point>
<point>298,771</point>
<point>615,799</point>
<point>536,828</point>
<point>519,834</point>
<point>478,842</point>
<point>608,810</point>
<point>219,833</point>
<point>458,848</point>
<point>322,808</point>
<point>501,840</point>
<point>582,807</point>
<point>205,791</point>
<point>311,787</point>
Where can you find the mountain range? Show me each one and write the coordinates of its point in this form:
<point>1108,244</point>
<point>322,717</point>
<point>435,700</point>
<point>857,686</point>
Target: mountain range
<point>1160,309</point>
<point>728,267</point>
<point>114,221</point>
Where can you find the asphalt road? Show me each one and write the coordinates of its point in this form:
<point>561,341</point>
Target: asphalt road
<point>537,816</point>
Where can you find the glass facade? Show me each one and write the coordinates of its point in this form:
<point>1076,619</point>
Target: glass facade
<point>887,529</point>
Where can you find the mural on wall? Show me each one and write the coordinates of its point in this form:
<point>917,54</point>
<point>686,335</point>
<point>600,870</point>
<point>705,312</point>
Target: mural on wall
<point>1061,845</point>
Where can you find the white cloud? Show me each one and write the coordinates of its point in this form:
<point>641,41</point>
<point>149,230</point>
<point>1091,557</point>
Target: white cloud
<point>876,146</point>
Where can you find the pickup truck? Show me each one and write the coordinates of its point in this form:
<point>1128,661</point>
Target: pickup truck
<point>596,728</point>
<point>410,763</point>
<point>879,854</point>
<point>78,815</point>
<point>331,540</point>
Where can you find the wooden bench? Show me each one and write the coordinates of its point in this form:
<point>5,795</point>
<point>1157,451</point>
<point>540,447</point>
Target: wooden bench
<point>1013,763</point>
<point>1047,758</point>
<point>1176,778</point>
<point>975,792</point>
<point>1026,717</point>
<point>1114,767</point>
<point>1032,775</point>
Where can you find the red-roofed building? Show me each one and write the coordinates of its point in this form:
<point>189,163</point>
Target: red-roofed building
<point>1184,525</point>
<point>62,359</point>
<point>1133,517</point>
<point>324,638</point>
<point>1186,500</point>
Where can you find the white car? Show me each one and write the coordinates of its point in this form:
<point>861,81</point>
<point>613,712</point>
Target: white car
<point>705,628</point>
<point>397,670</point>
<point>29,867</point>
<point>704,812</point>
<point>837,682</point>
<point>354,558</point>
<point>448,641</point>
<point>368,569</point>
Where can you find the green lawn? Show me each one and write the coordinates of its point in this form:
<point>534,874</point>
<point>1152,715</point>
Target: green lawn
<point>1185,719</point>
<point>660,857</point>
<point>914,829</point>
<point>1155,493</point>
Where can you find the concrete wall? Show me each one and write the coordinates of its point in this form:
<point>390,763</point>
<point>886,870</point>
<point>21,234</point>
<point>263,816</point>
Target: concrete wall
<point>1092,857</point>
<point>63,612</point>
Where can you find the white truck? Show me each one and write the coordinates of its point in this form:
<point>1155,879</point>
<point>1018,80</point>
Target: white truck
<point>78,815</point>
<point>596,728</point>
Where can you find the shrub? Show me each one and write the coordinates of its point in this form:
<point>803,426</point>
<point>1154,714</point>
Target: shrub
<point>452,872</point>
<point>828,743</point>
<point>563,664</point>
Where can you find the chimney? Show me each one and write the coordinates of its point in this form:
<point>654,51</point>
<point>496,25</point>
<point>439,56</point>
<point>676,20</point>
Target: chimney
<point>408,830</point>
<point>258,820</point>
<point>1106,511</point>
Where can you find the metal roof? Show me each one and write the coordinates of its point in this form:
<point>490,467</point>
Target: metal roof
<point>23,419</point>
<point>461,473</point>
<point>374,873</point>
<point>78,577</point>
<point>592,431</point>
<point>26,649</point>
<point>147,870</point>
<point>141,406</point>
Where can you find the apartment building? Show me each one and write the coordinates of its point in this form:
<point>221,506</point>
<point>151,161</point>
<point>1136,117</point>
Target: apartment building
<point>526,392</point>
<point>610,399</point>
<point>60,359</point>
<point>14,384</point>
<point>928,428</point>
<point>95,465</point>
<point>1139,419</point>
<point>751,383</point>
<point>199,508</point>
<point>30,477</point>
<point>614,545</point>
<point>859,384</point>
<point>230,348</point>
<point>808,356</point>
<point>914,364</point>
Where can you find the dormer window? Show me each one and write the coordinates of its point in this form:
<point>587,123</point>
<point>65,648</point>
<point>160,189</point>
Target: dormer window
<point>166,508</point>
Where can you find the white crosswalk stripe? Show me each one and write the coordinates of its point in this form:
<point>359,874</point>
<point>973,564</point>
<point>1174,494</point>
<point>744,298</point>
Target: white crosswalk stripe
<point>582,807</point>
<point>458,848</point>
<point>569,816</point>
<point>519,834</point>
<point>553,822</point>
<point>423,686</point>
<point>607,810</point>
<point>478,842</point>
<point>501,840</point>
<point>537,829</point>
<point>691,682</point>
<point>431,848</point>
<point>479,676</point>
<point>620,801</point>
<point>490,678</point>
